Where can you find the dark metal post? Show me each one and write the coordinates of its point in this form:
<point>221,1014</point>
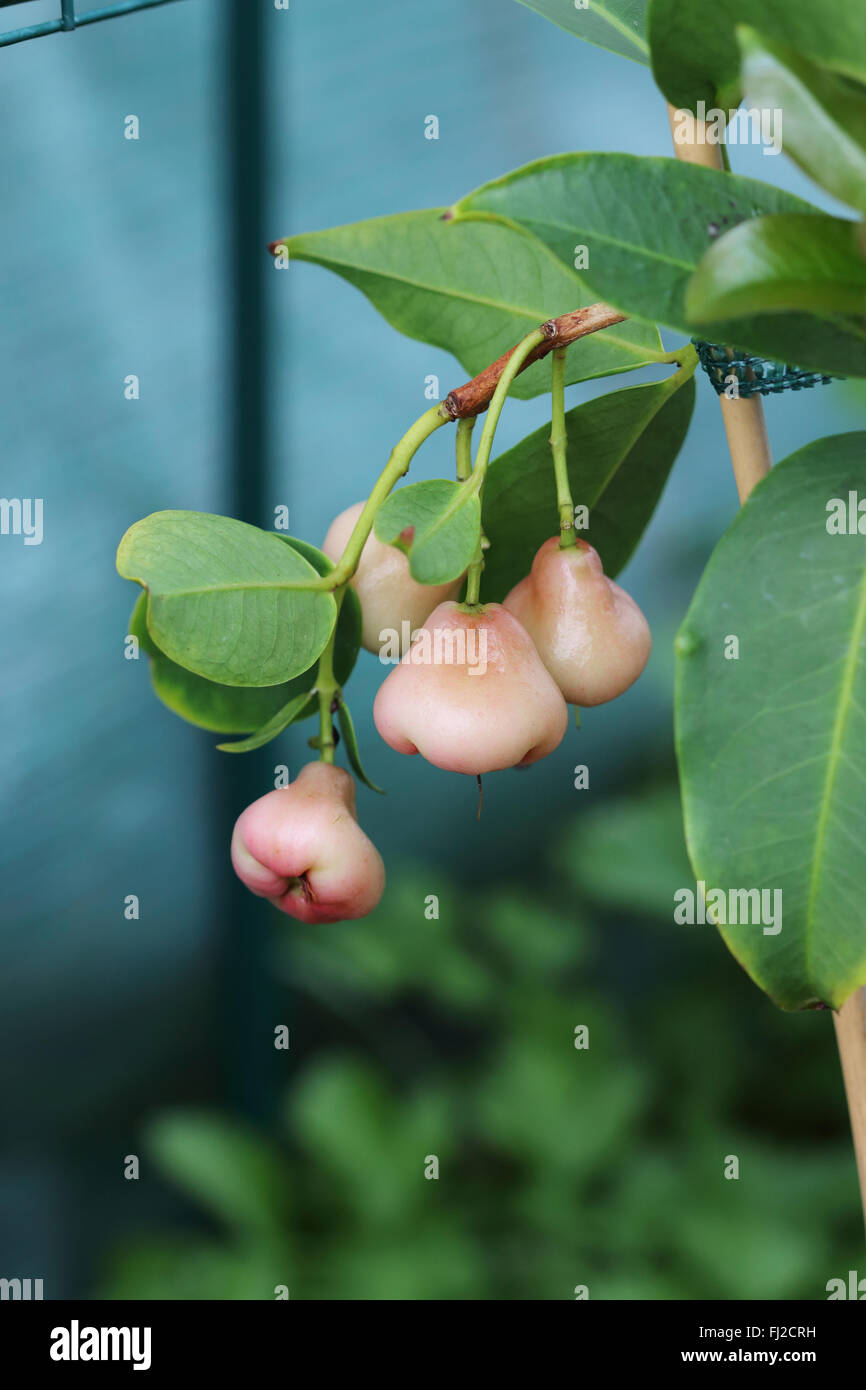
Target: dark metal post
<point>248,1004</point>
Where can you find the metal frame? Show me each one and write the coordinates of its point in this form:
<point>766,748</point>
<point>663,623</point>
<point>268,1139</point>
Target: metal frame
<point>68,20</point>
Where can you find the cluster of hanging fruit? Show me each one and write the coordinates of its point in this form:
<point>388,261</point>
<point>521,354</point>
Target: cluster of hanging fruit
<point>486,690</point>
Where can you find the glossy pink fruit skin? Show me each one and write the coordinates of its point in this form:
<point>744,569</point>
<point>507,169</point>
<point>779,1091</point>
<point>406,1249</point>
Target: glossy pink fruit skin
<point>389,595</point>
<point>590,634</point>
<point>510,715</point>
<point>301,847</point>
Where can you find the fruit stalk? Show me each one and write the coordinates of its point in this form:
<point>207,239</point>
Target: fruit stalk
<point>559,447</point>
<point>513,363</point>
<point>464,447</point>
<point>397,465</point>
<point>326,689</point>
<point>464,403</point>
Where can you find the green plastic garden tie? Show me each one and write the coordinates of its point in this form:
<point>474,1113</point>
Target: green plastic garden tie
<point>755,376</point>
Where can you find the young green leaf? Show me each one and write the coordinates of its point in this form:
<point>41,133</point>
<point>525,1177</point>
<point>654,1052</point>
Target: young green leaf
<point>771,729</point>
<point>775,264</point>
<point>474,290</point>
<point>299,705</point>
<point>137,627</point>
<point>437,524</point>
<point>618,25</point>
<point>646,224</point>
<point>621,448</point>
<point>233,709</point>
<point>824,117</point>
<point>350,739</point>
<point>227,600</point>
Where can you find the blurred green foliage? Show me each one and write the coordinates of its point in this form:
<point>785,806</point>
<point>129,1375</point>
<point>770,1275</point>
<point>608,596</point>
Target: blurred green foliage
<point>558,1167</point>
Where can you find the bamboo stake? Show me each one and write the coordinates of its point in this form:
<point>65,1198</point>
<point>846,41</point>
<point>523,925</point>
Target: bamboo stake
<point>850,1025</point>
<point>743,417</point>
<point>749,447</point>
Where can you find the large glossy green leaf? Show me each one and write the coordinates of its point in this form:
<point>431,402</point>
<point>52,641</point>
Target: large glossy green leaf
<point>234,709</point>
<point>621,447</point>
<point>824,128</point>
<point>619,25</point>
<point>776,264</point>
<point>473,290</point>
<point>647,223</point>
<point>441,521</point>
<point>694,48</point>
<point>225,600</point>
<point>772,745</point>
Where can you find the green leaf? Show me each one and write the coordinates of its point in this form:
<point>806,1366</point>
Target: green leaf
<point>347,642</point>
<point>239,1176</point>
<point>178,1268</point>
<point>694,54</point>
<point>621,447</point>
<point>221,709</point>
<point>824,117</point>
<point>541,1110</point>
<point>377,1173</point>
<point>294,709</point>
<point>804,261</point>
<point>350,739</point>
<point>694,49</point>
<point>437,524</point>
<point>647,223</point>
<point>629,854</point>
<point>619,25</point>
<point>232,709</point>
<point>772,745</point>
<point>473,290</point>
<point>224,599</point>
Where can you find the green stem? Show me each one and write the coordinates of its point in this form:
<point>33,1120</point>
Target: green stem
<point>326,689</point>
<point>464,447</point>
<point>559,446</point>
<point>397,465</point>
<point>685,356</point>
<point>503,386</point>
<point>482,457</point>
<point>464,471</point>
<point>473,584</point>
